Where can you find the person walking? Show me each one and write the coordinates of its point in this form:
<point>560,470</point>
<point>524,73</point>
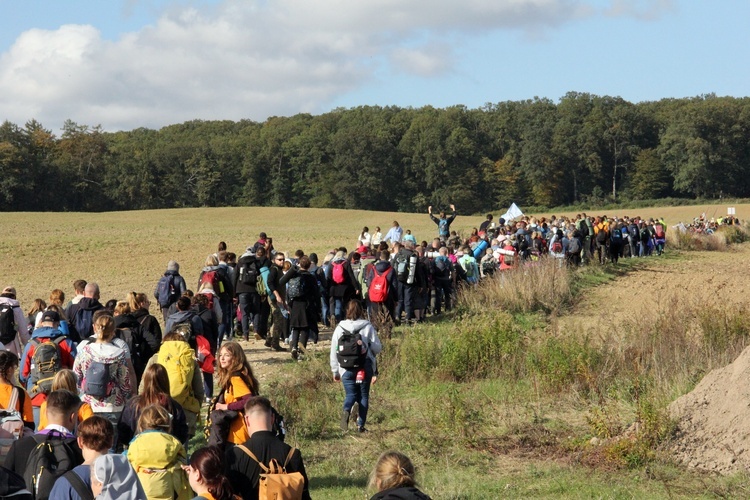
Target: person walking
<point>169,288</point>
<point>354,345</point>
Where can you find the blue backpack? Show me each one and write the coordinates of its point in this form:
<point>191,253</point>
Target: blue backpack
<point>166,291</point>
<point>98,380</point>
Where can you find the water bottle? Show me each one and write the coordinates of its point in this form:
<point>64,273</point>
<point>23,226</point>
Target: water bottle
<point>360,376</point>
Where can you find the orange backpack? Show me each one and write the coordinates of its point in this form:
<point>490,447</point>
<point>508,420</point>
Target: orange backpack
<point>275,482</point>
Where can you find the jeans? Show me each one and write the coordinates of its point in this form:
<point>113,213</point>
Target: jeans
<point>338,308</point>
<point>225,328</point>
<point>326,309</point>
<point>246,306</point>
<point>405,301</point>
<point>443,291</point>
<point>208,384</point>
<point>252,307</point>
<point>113,417</point>
<point>357,393</point>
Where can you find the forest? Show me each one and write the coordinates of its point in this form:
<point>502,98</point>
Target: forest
<point>584,148</point>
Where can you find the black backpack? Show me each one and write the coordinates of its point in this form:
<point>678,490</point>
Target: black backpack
<point>249,272</point>
<point>351,351</point>
<point>7,324</point>
<point>83,322</point>
<point>401,265</point>
<point>583,229</point>
<point>296,288</point>
<point>50,459</point>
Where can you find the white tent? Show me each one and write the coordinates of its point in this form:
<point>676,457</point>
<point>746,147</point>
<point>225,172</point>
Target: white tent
<point>513,213</point>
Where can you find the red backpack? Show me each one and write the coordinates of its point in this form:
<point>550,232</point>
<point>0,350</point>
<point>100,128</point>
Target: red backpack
<point>378,291</point>
<point>215,280</point>
<point>338,274</point>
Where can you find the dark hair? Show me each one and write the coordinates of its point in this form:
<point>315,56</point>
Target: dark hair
<point>97,433</point>
<point>183,303</point>
<point>222,246</point>
<point>79,285</point>
<point>62,402</point>
<point>110,305</point>
<point>299,253</point>
<point>8,360</point>
<point>304,262</point>
<point>261,252</point>
<point>354,310</point>
<point>209,461</point>
<point>259,403</point>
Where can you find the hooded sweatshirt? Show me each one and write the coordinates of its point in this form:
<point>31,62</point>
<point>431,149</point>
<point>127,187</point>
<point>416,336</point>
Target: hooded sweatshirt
<point>118,478</point>
<point>369,338</point>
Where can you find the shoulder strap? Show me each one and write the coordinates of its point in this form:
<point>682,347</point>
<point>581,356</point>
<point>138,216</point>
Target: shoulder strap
<point>143,319</point>
<point>13,399</point>
<point>289,456</point>
<point>252,455</point>
<point>78,485</point>
<point>59,339</point>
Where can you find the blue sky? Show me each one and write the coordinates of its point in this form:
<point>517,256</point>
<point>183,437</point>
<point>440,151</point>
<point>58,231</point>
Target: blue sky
<point>129,64</point>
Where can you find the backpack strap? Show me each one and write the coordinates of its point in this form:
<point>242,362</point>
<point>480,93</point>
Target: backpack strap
<point>78,485</point>
<point>249,453</point>
<point>13,399</point>
<point>289,456</point>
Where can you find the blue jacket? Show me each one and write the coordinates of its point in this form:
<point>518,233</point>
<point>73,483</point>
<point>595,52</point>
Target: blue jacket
<point>394,234</point>
<point>63,490</point>
<point>184,317</point>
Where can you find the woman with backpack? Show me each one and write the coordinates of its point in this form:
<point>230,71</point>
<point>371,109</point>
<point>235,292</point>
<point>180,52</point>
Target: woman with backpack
<point>149,326</point>
<point>342,284</point>
<point>206,475</point>
<point>22,403</point>
<point>183,373</point>
<point>158,457</point>
<point>155,390</point>
<point>104,380</point>
<point>237,384</point>
<point>354,345</point>
<point>206,349</point>
<point>303,297</point>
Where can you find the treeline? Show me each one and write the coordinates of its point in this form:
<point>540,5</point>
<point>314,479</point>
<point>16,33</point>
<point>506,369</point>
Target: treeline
<point>585,148</point>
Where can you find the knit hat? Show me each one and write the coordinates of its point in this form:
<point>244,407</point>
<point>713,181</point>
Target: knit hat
<point>173,266</point>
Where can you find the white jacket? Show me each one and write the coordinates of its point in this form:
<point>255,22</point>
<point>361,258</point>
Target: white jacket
<point>369,338</point>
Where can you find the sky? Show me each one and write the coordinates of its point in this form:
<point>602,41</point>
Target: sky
<point>125,64</point>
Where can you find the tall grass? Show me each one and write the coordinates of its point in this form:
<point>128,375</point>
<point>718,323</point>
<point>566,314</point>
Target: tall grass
<point>718,241</point>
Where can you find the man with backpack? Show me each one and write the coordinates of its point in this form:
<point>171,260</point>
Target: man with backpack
<point>381,291</point>
<point>246,289</point>
<point>442,281</point>
<point>444,222</point>
<point>263,451</point>
<point>14,331</point>
<point>185,321</point>
<point>80,316</point>
<point>279,311</point>
<point>43,457</point>
<point>169,288</point>
<point>405,264</point>
<point>47,352</point>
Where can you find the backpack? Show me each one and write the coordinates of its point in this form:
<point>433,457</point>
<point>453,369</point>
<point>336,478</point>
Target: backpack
<point>214,278</point>
<point>49,459</point>
<point>186,328</point>
<point>378,290</point>
<point>338,274</point>
<point>295,288</point>
<point>203,353</point>
<point>83,321</point>
<point>442,267</point>
<point>320,276</point>
<point>351,351</point>
<point>7,324</point>
<point>275,482</point>
<point>574,246</point>
<point>601,236</point>
<point>249,272</point>
<point>97,381</point>
<point>401,262</point>
<point>179,360</point>
<point>557,246</point>
<point>45,363</point>
<point>11,423</point>
<point>468,264</point>
<point>616,235</point>
<point>583,229</point>
<point>262,284</point>
<point>166,291</point>
<point>509,260</point>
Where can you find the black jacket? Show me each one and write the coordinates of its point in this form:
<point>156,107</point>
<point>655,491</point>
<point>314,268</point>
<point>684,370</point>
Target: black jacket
<point>87,304</point>
<point>239,286</point>
<point>401,493</point>
<point>244,472</point>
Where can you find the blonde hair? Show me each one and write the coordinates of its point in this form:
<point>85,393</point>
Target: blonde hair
<point>121,308</point>
<point>212,260</point>
<point>154,417</point>
<point>137,301</point>
<point>65,379</point>
<point>104,320</point>
<point>393,469</point>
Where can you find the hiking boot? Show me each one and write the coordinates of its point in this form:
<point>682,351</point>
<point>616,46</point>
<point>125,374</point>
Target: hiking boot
<point>267,343</point>
<point>361,429</point>
<point>344,420</point>
<point>278,348</point>
<point>295,353</point>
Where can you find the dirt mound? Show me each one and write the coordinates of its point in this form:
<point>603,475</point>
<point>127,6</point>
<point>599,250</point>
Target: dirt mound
<point>714,420</point>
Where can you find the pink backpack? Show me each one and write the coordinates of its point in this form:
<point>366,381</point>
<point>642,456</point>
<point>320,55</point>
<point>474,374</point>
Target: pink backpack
<point>338,272</point>
<point>11,424</point>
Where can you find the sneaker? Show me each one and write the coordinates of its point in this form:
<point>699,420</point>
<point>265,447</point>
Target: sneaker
<point>278,348</point>
<point>361,429</point>
<point>295,354</point>
<point>258,337</point>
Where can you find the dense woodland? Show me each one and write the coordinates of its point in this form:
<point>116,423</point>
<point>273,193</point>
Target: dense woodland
<point>584,148</point>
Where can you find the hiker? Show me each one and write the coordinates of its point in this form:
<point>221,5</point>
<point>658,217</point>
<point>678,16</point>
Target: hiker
<point>22,403</point>
<point>185,321</point>
<point>158,457</point>
<point>260,322</point>
<point>102,369</point>
<point>169,288</point>
<point>404,262</point>
<point>206,475</point>
<point>393,477</point>
<point>263,242</point>
<point>364,239</point>
<point>218,276</point>
<point>27,458</point>
<point>113,478</point>
<point>303,298</point>
<point>342,284</point>
<point>207,343</point>
<point>149,329</point>
<point>34,313</point>
<point>444,222</point>
<point>382,290</point>
<point>279,311</point>
<point>154,390</point>
<point>78,287</point>
<point>95,437</point>
<point>184,375</point>
<point>354,345</point>
<point>65,380</point>
<point>14,330</point>
<point>442,280</point>
<point>47,352</point>
<point>486,224</point>
<point>80,315</point>
<point>376,237</point>
<point>237,383</point>
<point>246,290</point>
<point>244,470</point>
